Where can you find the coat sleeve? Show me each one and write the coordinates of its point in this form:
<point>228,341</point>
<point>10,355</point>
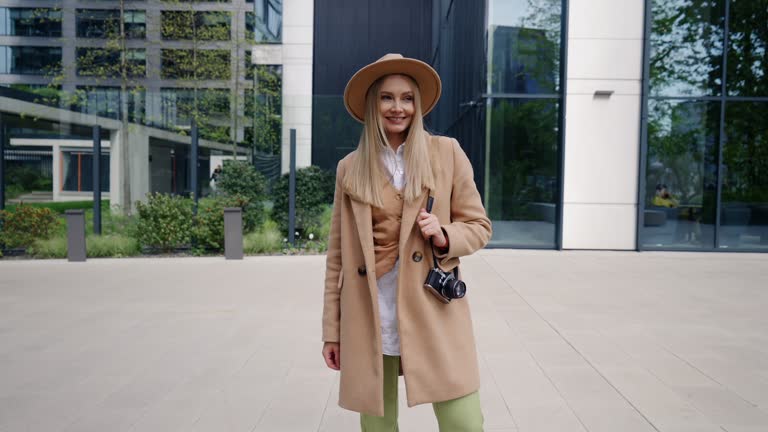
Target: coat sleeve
<point>470,228</point>
<point>333,273</point>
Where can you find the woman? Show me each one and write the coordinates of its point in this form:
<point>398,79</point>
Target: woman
<point>378,319</point>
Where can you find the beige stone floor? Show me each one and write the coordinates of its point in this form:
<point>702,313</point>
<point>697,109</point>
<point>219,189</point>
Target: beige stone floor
<point>568,341</point>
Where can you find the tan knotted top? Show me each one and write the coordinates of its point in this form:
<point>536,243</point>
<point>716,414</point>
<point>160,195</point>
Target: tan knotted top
<point>386,228</point>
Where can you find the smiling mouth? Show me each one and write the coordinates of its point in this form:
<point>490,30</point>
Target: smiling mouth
<point>395,118</point>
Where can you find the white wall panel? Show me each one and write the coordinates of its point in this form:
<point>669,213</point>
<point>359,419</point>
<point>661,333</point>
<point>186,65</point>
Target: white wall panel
<point>601,149</point>
<point>595,226</point>
<point>605,19</point>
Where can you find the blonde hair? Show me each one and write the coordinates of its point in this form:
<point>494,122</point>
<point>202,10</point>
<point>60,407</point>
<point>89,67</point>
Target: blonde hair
<point>364,179</point>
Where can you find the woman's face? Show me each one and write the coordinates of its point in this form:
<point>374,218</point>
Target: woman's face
<point>396,105</point>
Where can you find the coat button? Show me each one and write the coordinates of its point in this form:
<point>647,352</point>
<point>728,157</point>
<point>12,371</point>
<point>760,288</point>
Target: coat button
<point>361,270</point>
<point>417,256</point>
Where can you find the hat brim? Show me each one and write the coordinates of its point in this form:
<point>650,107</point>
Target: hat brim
<point>426,78</point>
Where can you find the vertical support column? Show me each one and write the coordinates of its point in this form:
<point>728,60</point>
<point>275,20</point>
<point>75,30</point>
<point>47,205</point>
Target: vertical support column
<point>292,191</point>
<point>2,162</point>
<point>97,180</point>
<point>75,235</point>
<point>193,164</point>
<point>233,233</point>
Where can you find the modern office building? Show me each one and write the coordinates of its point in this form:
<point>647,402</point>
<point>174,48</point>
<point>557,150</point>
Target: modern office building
<point>183,60</point>
<point>590,124</point>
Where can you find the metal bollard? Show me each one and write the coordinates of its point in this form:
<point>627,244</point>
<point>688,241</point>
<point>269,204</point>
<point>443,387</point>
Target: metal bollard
<point>233,233</point>
<point>75,235</point>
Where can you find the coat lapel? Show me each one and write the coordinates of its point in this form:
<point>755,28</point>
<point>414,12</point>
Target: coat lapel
<point>410,211</point>
<point>364,223</point>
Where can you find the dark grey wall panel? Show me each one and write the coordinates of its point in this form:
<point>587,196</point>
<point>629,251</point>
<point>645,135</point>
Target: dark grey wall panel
<point>348,34</point>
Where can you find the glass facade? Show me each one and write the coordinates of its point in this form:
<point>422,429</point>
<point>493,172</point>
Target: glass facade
<point>105,23</point>
<point>180,66</point>
<point>77,171</point>
<point>203,26</point>
<point>105,102</point>
<point>706,149</point>
<point>265,23</point>
<point>196,64</point>
<point>30,22</point>
<point>29,60</point>
<point>523,139</point>
<point>105,62</point>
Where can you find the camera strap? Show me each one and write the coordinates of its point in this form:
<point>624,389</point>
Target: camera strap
<point>430,201</point>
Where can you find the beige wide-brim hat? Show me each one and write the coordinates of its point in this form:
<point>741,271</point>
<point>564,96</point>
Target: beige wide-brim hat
<point>426,78</point>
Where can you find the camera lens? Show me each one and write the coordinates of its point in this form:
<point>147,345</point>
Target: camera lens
<point>456,288</point>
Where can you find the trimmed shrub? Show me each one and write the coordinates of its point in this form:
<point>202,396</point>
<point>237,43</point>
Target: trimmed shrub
<point>240,178</point>
<point>209,223</point>
<point>165,221</point>
<point>314,190</point>
<point>24,225</point>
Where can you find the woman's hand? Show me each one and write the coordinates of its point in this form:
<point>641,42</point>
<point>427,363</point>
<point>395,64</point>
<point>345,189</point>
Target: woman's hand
<point>430,227</point>
<point>331,354</point>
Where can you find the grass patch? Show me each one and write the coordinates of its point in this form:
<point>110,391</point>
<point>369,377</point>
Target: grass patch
<point>266,240</point>
<point>55,247</point>
<point>113,245</point>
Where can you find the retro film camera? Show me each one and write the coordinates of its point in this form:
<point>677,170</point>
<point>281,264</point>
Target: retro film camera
<point>446,286</point>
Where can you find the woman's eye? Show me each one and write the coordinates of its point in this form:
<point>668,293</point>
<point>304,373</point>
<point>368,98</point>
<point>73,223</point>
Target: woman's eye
<point>386,97</point>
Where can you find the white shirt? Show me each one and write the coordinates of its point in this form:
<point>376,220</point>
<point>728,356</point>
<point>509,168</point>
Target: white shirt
<point>387,283</point>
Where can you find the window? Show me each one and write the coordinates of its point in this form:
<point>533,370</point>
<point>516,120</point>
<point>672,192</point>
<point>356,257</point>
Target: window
<point>265,23</point>
<point>104,23</point>
<point>189,25</point>
<point>105,102</point>
<point>27,60</point>
<point>524,116</point>
<point>41,22</point>
<point>706,149</point>
<point>263,110</point>
<point>105,63</point>
<point>201,64</point>
<point>211,108</point>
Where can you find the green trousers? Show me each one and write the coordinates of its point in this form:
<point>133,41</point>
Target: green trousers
<point>456,415</point>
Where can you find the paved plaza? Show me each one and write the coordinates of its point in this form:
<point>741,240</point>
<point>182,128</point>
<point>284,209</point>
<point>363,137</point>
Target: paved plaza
<point>568,342</point>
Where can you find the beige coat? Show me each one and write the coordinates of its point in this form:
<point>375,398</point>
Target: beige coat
<point>437,345</point>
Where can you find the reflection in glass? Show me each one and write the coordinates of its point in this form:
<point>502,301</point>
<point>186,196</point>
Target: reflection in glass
<point>747,39</point>
<point>105,102</point>
<point>681,174</point>
<point>266,118</point>
<point>105,23</point>
<point>190,64</point>
<point>39,22</point>
<point>265,23</point>
<point>744,203</point>
<point>686,47</point>
<point>77,171</point>
<point>191,25</point>
<point>30,60</point>
<point>105,62</point>
<point>521,179</point>
<point>525,46</point>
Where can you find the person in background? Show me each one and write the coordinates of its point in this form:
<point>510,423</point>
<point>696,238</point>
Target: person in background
<point>663,198</point>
